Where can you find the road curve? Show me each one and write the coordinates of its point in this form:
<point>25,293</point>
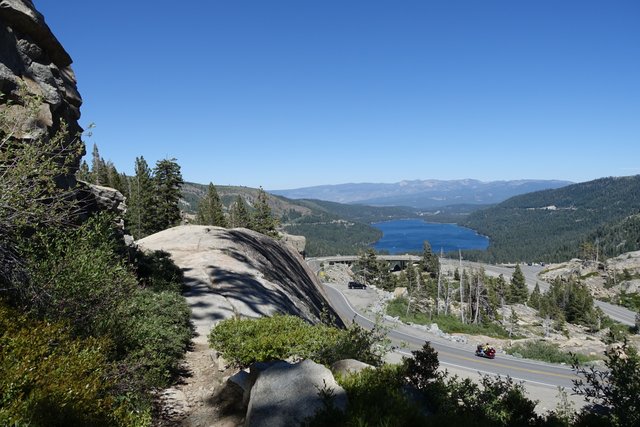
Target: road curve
<point>530,272</point>
<point>457,355</point>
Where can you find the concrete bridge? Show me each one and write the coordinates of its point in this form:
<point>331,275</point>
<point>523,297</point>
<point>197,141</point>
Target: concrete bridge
<point>396,262</point>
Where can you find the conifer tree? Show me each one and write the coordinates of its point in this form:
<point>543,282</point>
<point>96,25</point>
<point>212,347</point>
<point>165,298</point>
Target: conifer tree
<point>140,214</point>
<point>502,290</point>
<point>534,298</point>
<point>411,277</point>
<point>366,267</point>
<point>239,214</point>
<point>99,172</point>
<point>83,173</point>
<point>262,219</point>
<point>429,261</point>
<point>518,292</point>
<point>210,211</point>
<point>168,181</point>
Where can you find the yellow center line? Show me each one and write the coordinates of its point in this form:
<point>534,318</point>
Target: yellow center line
<point>515,368</point>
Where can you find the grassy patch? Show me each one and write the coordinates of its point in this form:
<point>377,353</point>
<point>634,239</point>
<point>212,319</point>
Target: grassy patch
<point>547,352</point>
<point>631,301</point>
<point>448,324</point>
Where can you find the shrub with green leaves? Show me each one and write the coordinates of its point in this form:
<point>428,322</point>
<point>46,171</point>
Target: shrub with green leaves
<point>614,391</point>
<point>151,334</point>
<point>376,398</point>
<point>48,378</point>
<point>244,341</point>
<point>547,352</point>
<point>78,275</point>
<point>450,324</point>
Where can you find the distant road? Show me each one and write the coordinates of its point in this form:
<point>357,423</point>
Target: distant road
<point>616,312</point>
<point>457,355</point>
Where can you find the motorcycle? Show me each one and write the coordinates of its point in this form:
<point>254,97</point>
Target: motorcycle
<point>489,353</point>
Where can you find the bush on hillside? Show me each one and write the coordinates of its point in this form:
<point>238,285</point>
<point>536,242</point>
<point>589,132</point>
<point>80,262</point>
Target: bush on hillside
<point>49,378</point>
<point>547,352</point>
<point>449,324</point>
<point>244,341</point>
<point>77,275</point>
<point>613,391</point>
<point>151,334</point>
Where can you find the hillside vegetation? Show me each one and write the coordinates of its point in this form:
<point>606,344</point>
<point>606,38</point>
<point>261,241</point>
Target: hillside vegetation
<point>330,228</point>
<point>597,217</point>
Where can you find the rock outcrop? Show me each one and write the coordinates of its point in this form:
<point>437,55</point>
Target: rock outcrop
<point>604,279</point>
<point>34,63</point>
<point>32,59</point>
<point>239,272</point>
<point>288,394</point>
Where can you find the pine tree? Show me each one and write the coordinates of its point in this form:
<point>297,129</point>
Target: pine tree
<point>534,298</point>
<point>411,277</point>
<point>168,181</point>
<point>239,214</point>
<point>83,173</point>
<point>210,211</point>
<point>513,323</point>
<point>262,220</point>
<point>429,261</point>
<point>518,292</point>
<point>98,168</point>
<point>114,178</point>
<point>366,267</point>
<point>140,216</point>
<point>502,290</point>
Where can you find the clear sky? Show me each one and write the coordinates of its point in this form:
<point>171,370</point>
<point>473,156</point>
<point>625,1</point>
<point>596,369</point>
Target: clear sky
<point>287,94</point>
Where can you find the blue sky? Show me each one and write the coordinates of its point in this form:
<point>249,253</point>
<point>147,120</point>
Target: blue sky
<point>287,94</point>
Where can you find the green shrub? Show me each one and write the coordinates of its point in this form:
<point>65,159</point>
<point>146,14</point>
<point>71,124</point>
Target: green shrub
<point>449,324</point>
<point>151,334</point>
<point>48,378</point>
<point>547,352</point>
<point>613,391</point>
<point>77,275</point>
<point>377,398</point>
<point>244,341</point>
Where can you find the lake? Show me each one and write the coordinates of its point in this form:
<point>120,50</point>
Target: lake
<point>406,235</point>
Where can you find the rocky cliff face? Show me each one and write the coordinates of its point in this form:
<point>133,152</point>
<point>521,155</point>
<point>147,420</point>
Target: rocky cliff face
<point>33,59</point>
<point>33,62</point>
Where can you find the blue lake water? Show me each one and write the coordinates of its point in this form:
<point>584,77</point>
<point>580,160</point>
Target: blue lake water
<point>407,235</point>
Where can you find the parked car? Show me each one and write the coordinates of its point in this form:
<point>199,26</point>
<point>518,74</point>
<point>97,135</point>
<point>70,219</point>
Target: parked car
<point>357,285</point>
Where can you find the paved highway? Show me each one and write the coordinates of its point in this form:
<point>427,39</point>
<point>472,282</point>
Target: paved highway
<point>457,355</point>
<point>616,312</point>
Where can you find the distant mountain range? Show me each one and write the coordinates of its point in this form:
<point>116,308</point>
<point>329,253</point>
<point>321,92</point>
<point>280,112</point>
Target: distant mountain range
<point>423,194</point>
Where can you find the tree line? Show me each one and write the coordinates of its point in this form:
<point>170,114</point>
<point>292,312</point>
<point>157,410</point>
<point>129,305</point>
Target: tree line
<point>154,196</point>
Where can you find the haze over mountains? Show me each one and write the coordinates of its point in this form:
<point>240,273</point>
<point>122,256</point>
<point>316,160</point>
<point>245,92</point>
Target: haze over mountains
<point>423,194</point>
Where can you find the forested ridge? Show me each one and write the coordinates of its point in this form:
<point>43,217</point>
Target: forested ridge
<point>555,225</point>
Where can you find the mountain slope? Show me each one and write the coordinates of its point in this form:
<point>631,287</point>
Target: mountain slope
<point>330,228</point>
<point>551,225</point>
<point>422,194</point>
